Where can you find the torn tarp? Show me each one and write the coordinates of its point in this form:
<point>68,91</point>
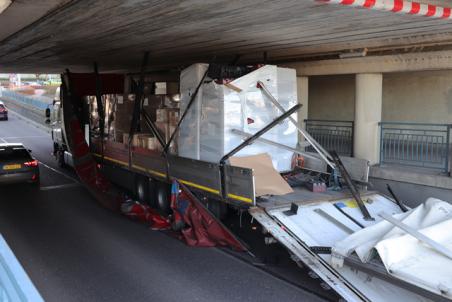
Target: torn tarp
<point>143,213</point>
<point>201,227</point>
<point>403,255</point>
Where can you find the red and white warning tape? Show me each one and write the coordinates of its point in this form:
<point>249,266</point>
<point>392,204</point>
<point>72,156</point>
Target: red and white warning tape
<point>399,6</point>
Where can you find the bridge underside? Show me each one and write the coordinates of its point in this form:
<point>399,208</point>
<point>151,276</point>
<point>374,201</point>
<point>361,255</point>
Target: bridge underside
<point>61,33</point>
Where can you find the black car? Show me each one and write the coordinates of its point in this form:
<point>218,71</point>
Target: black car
<point>3,112</point>
<point>17,165</point>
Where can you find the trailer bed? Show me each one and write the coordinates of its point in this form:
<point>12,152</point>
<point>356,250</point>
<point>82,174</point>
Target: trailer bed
<point>309,224</point>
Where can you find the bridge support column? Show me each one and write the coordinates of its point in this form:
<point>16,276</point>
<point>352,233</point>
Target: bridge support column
<point>368,107</point>
<point>303,98</point>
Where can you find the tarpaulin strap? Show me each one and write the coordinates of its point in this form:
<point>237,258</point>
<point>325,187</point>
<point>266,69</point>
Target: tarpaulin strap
<point>201,227</point>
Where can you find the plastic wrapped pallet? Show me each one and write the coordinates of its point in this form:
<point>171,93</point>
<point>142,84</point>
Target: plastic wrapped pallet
<point>206,131</point>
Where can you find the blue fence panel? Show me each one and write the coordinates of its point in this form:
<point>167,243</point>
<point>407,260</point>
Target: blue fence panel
<point>415,144</point>
<point>332,135</point>
<point>25,99</point>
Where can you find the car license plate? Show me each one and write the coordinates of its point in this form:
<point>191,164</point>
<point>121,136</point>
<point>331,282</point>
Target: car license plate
<point>12,167</point>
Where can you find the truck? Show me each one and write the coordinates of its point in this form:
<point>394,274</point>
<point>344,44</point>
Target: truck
<point>230,134</point>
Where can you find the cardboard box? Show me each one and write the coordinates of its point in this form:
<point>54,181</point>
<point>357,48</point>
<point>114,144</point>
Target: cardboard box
<point>162,115</point>
<point>166,130</point>
<point>170,115</point>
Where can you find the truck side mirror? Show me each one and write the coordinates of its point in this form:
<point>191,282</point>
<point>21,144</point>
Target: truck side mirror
<point>47,112</point>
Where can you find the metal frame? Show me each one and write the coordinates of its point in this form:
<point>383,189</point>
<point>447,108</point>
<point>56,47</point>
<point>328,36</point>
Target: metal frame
<point>320,150</point>
<point>333,126</point>
<point>305,255</point>
<point>406,151</point>
<point>249,141</point>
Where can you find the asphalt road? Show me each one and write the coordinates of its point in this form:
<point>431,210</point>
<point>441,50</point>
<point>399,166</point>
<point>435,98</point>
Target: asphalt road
<point>75,250</point>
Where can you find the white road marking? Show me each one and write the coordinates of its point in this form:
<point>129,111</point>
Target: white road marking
<point>59,172</point>
<point>48,188</point>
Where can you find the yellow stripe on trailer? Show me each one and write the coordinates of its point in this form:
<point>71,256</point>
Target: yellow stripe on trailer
<point>185,182</point>
<point>241,198</point>
<point>191,184</point>
<point>112,159</point>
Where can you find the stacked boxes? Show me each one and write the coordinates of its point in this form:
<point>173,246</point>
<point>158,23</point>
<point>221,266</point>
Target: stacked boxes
<point>207,130</point>
<point>167,119</point>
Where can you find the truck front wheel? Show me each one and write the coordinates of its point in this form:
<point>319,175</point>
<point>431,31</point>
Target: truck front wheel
<point>60,158</point>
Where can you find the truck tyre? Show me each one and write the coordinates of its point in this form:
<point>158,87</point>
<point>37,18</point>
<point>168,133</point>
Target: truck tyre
<point>141,188</point>
<point>163,195</point>
<point>60,158</point>
<point>152,193</point>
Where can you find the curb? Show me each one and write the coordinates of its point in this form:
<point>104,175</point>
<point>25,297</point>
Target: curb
<point>29,121</point>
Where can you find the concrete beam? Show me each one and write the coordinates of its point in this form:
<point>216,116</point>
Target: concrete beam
<point>436,60</point>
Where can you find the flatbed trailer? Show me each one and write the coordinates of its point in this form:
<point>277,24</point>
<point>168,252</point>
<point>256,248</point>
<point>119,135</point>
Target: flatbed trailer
<point>307,224</point>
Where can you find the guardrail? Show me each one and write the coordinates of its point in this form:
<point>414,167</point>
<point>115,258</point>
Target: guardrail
<point>15,285</point>
<point>25,99</point>
<point>332,135</point>
<point>415,144</point>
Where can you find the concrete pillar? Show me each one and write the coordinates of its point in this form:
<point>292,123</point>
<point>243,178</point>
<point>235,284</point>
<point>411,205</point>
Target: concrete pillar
<point>368,106</point>
<point>302,94</point>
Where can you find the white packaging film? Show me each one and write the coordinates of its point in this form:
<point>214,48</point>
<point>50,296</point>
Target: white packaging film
<point>206,132</point>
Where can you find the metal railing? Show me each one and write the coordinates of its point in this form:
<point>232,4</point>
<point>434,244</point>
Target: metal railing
<point>32,101</point>
<point>332,135</point>
<point>415,144</point>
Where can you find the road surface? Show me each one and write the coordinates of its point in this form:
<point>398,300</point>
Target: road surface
<point>74,250</point>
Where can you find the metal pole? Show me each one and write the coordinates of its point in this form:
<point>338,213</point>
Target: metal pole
<point>261,132</point>
<point>351,186</point>
<point>100,110</point>
<point>447,149</point>
<point>322,152</point>
<point>152,126</point>
<point>249,141</point>
<point>190,103</point>
<point>381,159</point>
<point>273,143</point>
<point>418,235</point>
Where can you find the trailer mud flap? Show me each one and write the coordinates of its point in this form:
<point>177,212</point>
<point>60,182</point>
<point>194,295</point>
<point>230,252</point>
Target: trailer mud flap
<point>307,257</point>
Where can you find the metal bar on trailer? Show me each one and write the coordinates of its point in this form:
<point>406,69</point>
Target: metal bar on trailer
<point>351,186</point>
<point>151,125</point>
<point>190,103</point>
<point>307,257</point>
<point>100,109</point>
<point>322,152</point>
<point>261,132</point>
<point>138,97</point>
<point>418,235</point>
<point>398,202</point>
<point>249,141</point>
<point>270,142</point>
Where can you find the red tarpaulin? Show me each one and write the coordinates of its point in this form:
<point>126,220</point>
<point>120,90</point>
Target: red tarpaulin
<point>201,227</point>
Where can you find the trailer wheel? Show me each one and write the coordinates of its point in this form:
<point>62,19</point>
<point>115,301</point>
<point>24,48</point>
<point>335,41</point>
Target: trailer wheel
<point>152,193</point>
<point>163,194</point>
<point>141,188</point>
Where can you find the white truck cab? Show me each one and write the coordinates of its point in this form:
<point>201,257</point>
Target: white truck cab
<point>60,149</point>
